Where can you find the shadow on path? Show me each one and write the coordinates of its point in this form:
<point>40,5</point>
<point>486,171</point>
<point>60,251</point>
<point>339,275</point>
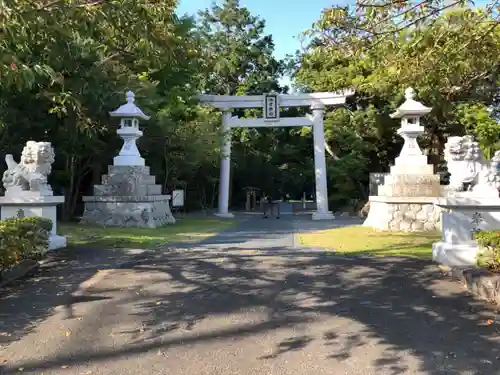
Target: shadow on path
<point>393,316</point>
<point>401,305</point>
<point>28,301</point>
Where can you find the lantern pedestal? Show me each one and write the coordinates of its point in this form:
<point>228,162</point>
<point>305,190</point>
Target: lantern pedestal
<point>129,154</point>
<point>128,197</point>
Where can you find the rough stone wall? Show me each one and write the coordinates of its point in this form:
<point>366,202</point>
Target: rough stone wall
<point>414,217</point>
<point>407,217</point>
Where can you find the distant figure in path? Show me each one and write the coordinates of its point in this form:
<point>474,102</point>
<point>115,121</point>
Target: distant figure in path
<point>271,205</point>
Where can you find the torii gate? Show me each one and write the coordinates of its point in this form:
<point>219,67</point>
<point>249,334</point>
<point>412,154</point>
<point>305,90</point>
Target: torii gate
<point>271,104</point>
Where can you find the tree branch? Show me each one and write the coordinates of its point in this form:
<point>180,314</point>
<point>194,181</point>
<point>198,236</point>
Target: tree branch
<point>329,150</point>
<point>85,4</point>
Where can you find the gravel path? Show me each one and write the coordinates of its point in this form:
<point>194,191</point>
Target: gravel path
<point>248,301</point>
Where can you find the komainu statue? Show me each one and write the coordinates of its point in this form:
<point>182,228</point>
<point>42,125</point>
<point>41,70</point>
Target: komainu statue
<point>32,171</point>
<point>469,169</point>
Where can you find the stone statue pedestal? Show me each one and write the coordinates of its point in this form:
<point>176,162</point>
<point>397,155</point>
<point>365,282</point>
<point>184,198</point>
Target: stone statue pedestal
<point>128,197</point>
<point>461,218</point>
<point>27,204</point>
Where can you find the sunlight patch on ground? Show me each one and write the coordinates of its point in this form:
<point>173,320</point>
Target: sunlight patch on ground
<point>358,240</point>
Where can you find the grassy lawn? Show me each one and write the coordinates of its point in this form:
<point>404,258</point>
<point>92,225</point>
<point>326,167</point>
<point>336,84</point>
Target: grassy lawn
<point>185,231</point>
<point>358,240</point>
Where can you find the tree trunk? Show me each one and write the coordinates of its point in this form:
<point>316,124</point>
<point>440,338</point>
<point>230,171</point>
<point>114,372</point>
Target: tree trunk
<point>68,193</point>
<point>96,174</point>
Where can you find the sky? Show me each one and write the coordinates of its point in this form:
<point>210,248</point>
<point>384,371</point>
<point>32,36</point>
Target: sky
<point>285,19</point>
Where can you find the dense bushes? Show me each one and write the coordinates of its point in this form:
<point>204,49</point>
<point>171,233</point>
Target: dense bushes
<point>22,238</point>
<point>489,240</point>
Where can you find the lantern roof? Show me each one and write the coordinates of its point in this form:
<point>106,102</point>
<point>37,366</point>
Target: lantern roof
<point>410,107</point>
<point>129,109</point>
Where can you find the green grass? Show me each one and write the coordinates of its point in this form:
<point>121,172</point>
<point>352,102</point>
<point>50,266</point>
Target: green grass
<point>358,240</point>
<point>184,231</point>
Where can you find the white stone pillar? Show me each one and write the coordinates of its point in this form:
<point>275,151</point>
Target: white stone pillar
<point>322,212</point>
<point>225,167</point>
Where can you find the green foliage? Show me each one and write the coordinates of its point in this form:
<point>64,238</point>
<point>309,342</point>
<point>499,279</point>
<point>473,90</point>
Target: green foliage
<point>238,60</point>
<point>377,21</point>
<point>22,238</point>
<point>64,64</point>
<point>451,61</point>
<point>238,56</point>
<point>490,255</point>
<point>478,121</point>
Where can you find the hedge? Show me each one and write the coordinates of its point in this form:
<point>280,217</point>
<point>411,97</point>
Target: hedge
<point>22,238</point>
<point>489,240</point>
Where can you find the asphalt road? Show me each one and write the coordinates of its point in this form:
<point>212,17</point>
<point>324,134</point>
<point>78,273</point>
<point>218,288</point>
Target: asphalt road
<point>249,301</point>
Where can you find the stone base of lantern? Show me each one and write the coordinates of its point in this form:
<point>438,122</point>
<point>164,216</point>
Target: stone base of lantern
<point>145,212</point>
<point>407,214</point>
<point>128,197</point>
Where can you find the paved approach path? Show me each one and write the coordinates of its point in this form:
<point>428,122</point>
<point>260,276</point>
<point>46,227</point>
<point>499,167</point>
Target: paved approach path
<point>248,301</point>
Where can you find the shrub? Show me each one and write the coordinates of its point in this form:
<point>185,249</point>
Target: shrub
<point>489,257</point>
<point>22,238</point>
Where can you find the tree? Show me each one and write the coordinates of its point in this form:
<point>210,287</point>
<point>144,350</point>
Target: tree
<point>238,56</point>
<point>239,61</point>
<point>65,64</point>
<point>375,20</point>
<point>453,64</point>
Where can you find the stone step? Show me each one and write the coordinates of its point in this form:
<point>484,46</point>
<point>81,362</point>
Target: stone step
<point>149,180</point>
<point>145,180</point>
<point>125,169</point>
<point>140,191</point>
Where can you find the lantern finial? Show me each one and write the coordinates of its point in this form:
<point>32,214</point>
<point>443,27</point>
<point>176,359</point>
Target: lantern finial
<point>130,97</point>
<point>409,94</point>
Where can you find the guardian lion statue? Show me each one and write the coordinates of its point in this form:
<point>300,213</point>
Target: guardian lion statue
<point>469,169</point>
<point>32,171</point>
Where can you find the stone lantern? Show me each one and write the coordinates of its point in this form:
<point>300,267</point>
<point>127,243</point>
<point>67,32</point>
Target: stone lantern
<point>129,131</point>
<point>405,202</point>
<point>128,195</point>
<point>410,113</point>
